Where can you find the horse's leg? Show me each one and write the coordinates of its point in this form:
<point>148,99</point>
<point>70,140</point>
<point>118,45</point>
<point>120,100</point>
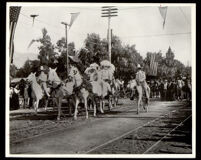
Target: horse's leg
<point>103,103</point>
<point>76,105</point>
<point>86,109</point>
<point>59,108</point>
<point>101,106</point>
<point>110,102</point>
<point>56,100</point>
<point>115,104</point>
<point>94,105</point>
<point>70,107</point>
<point>46,103</point>
<point>36,106</point>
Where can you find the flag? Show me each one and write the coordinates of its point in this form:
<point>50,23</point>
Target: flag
<point>153,65</point>
<point>163,12</point>
<point>155,68</point>
<point>14,14</point>
<point>73,17</point>
<point>152,60</point>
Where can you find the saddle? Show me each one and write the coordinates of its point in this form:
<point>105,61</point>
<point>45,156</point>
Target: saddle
<point>85,84</point>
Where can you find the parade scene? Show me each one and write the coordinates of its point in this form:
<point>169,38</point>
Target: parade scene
<point>100,79</point>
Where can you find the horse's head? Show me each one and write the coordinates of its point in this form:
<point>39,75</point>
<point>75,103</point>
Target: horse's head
<point>92,74</point>
<point>76,76</point>
<point>132,84</point>
<point>52,75</point>
<point>32,77</point>
<point>73,71</point>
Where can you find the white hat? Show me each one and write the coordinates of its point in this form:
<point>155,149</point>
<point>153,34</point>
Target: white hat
<point>41,68</point>
<point>138,66</point>
<point>94,65</point>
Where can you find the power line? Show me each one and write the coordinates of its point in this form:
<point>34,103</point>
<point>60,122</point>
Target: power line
<point>184,15</point>
<point>158,35</point>
<point>42,21</point>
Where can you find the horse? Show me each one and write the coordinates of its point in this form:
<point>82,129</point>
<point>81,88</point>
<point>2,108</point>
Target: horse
<point>115,90</point>
<point>100,89</point>
<point>37,93</point>
<point>59,90</point>
<point>140,98</point>
<point>81,93</point>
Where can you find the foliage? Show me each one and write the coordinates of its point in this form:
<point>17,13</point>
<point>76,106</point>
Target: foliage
<point>124,57</point>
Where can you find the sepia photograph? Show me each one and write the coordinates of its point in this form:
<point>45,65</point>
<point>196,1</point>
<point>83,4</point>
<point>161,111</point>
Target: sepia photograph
<point>100,80</point>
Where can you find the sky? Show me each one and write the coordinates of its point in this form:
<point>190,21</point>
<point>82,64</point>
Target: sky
<point>140,25</point>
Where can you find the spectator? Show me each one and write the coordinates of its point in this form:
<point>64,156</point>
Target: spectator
<point>165,89</point>
<point>161,90</point>
<point>14,98</point>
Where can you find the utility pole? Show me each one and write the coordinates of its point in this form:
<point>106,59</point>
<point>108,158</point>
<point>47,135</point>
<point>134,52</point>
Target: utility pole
<point>109,11</point>
<point>66,33</point>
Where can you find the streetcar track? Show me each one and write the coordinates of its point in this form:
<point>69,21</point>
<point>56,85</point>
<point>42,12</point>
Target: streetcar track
<point>128,107</point>
<point>160,140</point>
<point>55,121</point>
<point>127,133</point>
<point>94,119</point>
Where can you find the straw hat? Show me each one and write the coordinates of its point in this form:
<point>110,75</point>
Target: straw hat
<point>138,66</point>
<point>42,68</point>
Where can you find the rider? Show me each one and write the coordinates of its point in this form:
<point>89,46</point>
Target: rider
<point>141,79</point>
<point>43,80</point>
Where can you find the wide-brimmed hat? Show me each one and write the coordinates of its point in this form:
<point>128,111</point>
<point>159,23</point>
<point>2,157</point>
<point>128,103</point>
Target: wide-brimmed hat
<point>139,66</point>
<point>74,58</point>
<point>42,68</point>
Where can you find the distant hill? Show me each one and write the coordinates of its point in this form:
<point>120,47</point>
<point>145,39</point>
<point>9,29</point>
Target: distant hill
<point>20,58</point>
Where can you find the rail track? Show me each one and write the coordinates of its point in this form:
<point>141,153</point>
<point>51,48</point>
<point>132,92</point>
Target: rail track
<point>110,145</point>
<point>157,143</point>
<point>54,126</point>
<point>117,112</point>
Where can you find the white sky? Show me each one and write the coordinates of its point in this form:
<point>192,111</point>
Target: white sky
<point>133,25</point>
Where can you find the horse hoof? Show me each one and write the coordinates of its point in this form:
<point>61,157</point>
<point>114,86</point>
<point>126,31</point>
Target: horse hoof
<point>75,118</point>
<point>58,118</point>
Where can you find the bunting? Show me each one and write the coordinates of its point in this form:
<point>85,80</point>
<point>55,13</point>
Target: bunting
<point>163,12</point>
<point>73,17</point>
<point>153,65</point>
<point>14,14</point>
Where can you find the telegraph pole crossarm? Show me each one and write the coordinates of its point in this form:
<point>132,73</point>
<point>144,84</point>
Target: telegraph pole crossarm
<point>109,11</point>
<point>66,43</point>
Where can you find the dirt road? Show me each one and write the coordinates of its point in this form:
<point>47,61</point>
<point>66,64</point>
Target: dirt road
<point>93,133</point>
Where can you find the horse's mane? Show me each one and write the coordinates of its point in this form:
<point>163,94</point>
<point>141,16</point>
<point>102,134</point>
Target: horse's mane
<point>54,74</point>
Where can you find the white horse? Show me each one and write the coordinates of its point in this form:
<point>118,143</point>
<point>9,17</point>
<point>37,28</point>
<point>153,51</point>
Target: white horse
<point>100,88</point>
<point>140,98</point>
<point>37,93</point>
<point>80,94</point>
<point>115,89</point>
<point>60,91</point>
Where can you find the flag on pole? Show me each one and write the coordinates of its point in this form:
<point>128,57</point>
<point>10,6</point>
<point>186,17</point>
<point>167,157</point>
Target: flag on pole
<point>153,65</point>
<point>163,12</point>
<point>152,59</point>
<point>14,14</point>
<point>73,17</point>
<point>155,68</point>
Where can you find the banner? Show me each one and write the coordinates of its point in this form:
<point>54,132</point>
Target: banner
<point>163,12</point>
<point>73,17</point>
<point>14,14</point>
<point>153,65</point>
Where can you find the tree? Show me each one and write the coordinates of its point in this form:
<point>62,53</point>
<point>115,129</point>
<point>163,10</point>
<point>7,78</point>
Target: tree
<point>61,59</point>
<point>13,70</point>
<point>25,70</point>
